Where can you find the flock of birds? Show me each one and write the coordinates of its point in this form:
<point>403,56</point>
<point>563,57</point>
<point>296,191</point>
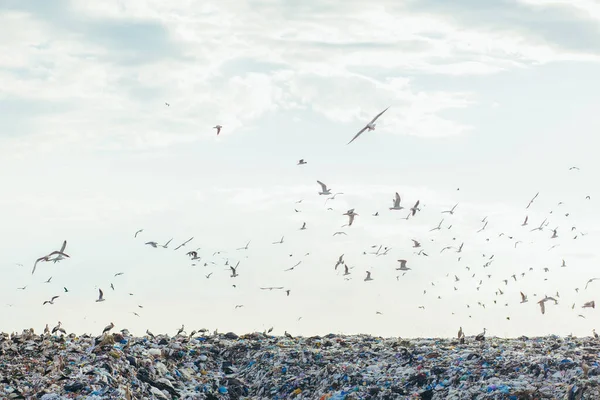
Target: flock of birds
<point>418,246</point>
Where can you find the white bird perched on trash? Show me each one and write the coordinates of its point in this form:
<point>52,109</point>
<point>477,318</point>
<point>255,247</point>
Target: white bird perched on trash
<point>396,203</point>
<point>107,328</point>
<point>46,258</point>
<point>370,126</point>
<point>100,296</point>
<point>58,328</point>
<point>218,128</point>
<point>324,189</point>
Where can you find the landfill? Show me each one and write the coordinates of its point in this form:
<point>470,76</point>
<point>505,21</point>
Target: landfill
<point>260,366</point>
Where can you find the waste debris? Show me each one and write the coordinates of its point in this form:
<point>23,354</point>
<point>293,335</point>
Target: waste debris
<point>260,366</point>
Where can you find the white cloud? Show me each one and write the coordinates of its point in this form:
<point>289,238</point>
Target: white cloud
<point>316,57</point>
<point>588,9</point>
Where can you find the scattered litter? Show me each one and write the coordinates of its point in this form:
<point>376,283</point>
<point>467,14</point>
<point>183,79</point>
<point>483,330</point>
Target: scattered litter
<point>334,367</point>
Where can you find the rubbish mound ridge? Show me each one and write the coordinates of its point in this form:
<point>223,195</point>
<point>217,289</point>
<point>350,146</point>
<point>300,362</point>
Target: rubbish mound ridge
<point>259,366</point>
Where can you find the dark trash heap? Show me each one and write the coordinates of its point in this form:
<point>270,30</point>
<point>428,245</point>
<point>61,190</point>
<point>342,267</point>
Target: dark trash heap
<point>259,366</point>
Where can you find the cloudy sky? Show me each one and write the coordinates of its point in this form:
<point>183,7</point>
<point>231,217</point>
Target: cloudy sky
<point>498,100</point>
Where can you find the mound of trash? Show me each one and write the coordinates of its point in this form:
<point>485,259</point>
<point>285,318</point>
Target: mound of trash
<point>259,366</point>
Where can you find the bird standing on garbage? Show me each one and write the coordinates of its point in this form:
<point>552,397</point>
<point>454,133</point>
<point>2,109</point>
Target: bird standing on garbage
<point>108,328</point>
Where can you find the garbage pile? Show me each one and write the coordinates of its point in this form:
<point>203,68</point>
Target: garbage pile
<point>258,366</point>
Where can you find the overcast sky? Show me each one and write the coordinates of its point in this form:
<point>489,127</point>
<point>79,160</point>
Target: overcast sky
<point>497,99</point>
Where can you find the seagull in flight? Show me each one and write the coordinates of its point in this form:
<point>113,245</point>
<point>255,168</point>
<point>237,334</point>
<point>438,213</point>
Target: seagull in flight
<point>332,197</point>
<point>525,222</point>
<point>451,212</point>
<point>218,128</point>
<point>100,296</point>
<point>415,243</point>
<point>153,244</point>
<point>340,261</point>
<point>370,126</point>
<point>531,202</point>
<point>368,278</point>
<point>303,226</point>
<point>324,189</point>
<point>590,281</point>
<point>351,214</point>
<point>119,274</point>
<point>415,208</point>
<point>245,247</point>
<point>403,266</point>
<point>184,243</point>
<point>524,298</point>
<point>164,246</point>
<point>51,301</point>
<point>138,232</point>
<point>280,242</point>
<point>302,162</point>
<point>272,288</point>
<point>46,258</point>
<point>234,270</point>
<point>437,228</point>
<point>48,281</point>
<point>340,233</point>
<point>396,203</point>
<point>539,228</point>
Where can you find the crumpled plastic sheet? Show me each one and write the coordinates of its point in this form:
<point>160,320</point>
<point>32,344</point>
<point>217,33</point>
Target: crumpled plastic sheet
<point>333,367</point>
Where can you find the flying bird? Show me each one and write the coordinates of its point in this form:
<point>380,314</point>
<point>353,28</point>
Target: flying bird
<point>138,232</point>
<point>531,202</point>
<point>51,301</point>
<point>415,208</point>
<point>351,214</point>
<point>301,161</point>
<point>396,203</point>
<point>46,258</point>
<point>403,266</point>
<point>184,243</point>
<point>218,128</point>
<point>524,298</point>
<point>119,274</point>
<point>324,189</point>
<point>368,278</point>
<point>370,126</point>
<point>153,244</point>
<point>245,247</point>
<point>451,211</point>
<point>234,270</point>
<point>589,304</point>
<point>100,296</point>
<point>340,261</point>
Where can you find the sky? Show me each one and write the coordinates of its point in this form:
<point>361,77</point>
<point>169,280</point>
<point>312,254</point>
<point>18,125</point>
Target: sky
<point>488,105</point>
